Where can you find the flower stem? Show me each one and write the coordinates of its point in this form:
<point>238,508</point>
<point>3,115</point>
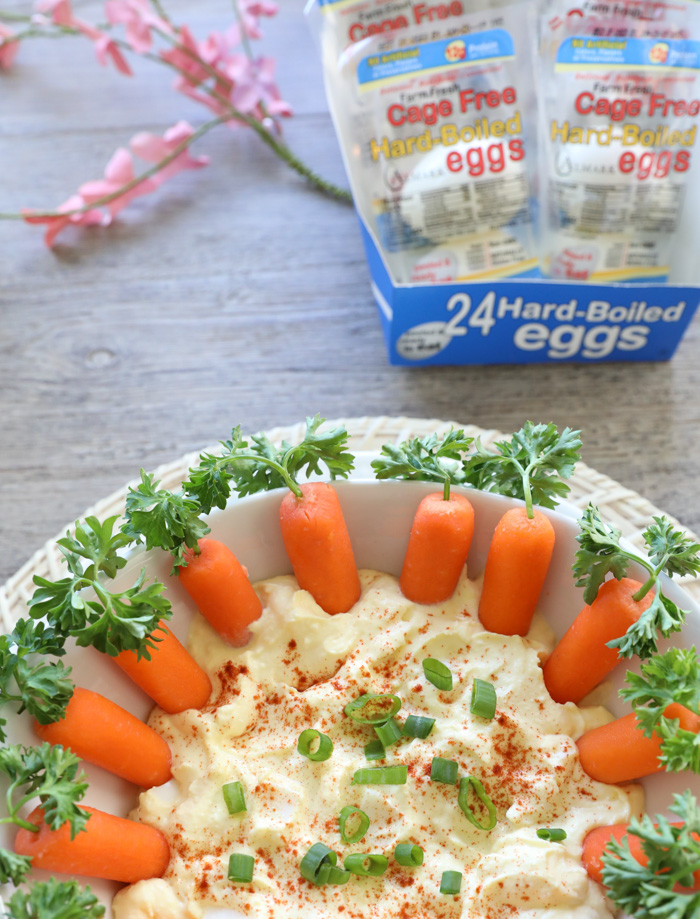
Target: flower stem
<point>137,180</point>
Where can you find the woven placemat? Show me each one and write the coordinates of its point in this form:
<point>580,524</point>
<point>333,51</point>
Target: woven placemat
<point>619,505</point>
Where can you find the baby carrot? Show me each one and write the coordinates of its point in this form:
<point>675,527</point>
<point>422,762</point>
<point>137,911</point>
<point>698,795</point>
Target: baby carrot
<point>582,659</point>
<point>596,841</point>
<point>102,732</point>
<point>516,567</point>
<point>172,678</point>
<point>318,545</point>
<point>620,752</point>
<point>219,585</point>
<point>438,546</point>
<point>110,847</point>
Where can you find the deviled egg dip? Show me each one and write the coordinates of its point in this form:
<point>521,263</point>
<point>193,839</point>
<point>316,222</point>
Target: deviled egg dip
<point>300,670</point>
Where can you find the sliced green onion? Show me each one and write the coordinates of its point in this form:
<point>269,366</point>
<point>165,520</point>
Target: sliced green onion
<point>373,708</point>
<point>375,750</point>
<point>444,770</point>
<point>388,733</point>
<point>353,824</point>
<point>366,866</point>
<point>240,868</point>
<point>408,855</point>
<point>551,834</point>
<point>483,703</point>
<point>438,674</point>
<point>463,801</point>
<point>234,798</point>
<point>315,859</point>
<point>418,726</point>
<point>381,775</point>
<point>314,745</point>
<point>330,874</point>
<point>451,882</point>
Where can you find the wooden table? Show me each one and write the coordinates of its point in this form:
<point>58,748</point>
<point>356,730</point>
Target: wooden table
<point>236,295</point>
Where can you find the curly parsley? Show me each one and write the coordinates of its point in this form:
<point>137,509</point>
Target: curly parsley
<point>426,459</point>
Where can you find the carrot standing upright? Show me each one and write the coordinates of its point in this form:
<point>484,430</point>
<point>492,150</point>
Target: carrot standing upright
<point>623,617</point>
<point>102,732</point>
<point>311,518</point>
<point>443,524</point>
<point>530,466</point>
<point>219,585</point>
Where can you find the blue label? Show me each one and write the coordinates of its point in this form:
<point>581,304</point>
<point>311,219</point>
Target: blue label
<point>628,53</point>
<point>527,321</point>
<point>493,44</point>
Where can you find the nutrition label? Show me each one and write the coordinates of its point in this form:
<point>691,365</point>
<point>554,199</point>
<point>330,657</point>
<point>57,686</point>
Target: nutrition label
<point>443,212</point>
<point>616,207</point>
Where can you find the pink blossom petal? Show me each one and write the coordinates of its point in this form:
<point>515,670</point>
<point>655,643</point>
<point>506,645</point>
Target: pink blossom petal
<point>120,169</point>
<point>8,48</point>
<point>55,224</point>
<point>105,48</point>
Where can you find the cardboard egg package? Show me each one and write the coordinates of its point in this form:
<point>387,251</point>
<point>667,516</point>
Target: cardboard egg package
<point>524,173</point>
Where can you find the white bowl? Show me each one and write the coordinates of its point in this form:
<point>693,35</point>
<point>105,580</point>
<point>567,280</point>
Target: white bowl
<point>379,516</point>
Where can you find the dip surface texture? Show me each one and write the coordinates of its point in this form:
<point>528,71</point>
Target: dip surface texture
<point>299,671</point>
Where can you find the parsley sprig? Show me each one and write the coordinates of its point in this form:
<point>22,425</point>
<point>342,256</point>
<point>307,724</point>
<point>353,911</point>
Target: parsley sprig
<point>531,465</point>
<point>670,551</point>
<point>51,774</point>
<point>163,519</point>
<point>54,899</point>
<point>83,604</point>
<point>426,459</point>
<point>29,679</point>
<point>260,466</point>
<point>647,891</point>
<point>664,679</point>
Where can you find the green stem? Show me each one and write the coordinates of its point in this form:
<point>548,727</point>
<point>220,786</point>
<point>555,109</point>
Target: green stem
<point>23,824</point>
<point>279,148</point>
<point>527,491</point>
<point>8,16</point>
<point>682,873</point>
<point>273,464</point>
<point>107,199</point>
<point>161,11</point>
<point>446,489</point>
<point>651,581</point>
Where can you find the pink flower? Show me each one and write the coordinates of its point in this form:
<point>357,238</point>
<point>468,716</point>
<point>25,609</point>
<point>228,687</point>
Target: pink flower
<point>254,85</point>
<point>186,59</point>
<point>118,173</point>
<point>251,11</point>
<point>8,48</point>
<point>55,224</point>
<point>105,48</point>
<point>138,19</point>
<point>153,149</point>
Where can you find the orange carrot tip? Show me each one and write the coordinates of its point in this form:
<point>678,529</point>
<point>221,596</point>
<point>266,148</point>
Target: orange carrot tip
<point>103,733</point>
<point>438,545</point>
<point>317,542</point>
<point>219,585</point>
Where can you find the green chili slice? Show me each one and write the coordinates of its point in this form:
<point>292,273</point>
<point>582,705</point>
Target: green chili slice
<point>314,745</point>
<point>240,868</point>
<point>388,733</point>
<point>444,770</point>
<point>418,726</point>
<point>373,708</point>
<point>438,674</point>
<point>366,866</point>
<point>451,882</point>
<point>408,855</point>
<point>381,775</point>
<point>234,798</point>
<point>483,703</point>
<point>463,801</point>
<point>353,824</point>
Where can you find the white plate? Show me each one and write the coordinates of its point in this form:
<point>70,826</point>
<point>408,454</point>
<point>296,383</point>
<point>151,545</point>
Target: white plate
<point>379,516</point>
